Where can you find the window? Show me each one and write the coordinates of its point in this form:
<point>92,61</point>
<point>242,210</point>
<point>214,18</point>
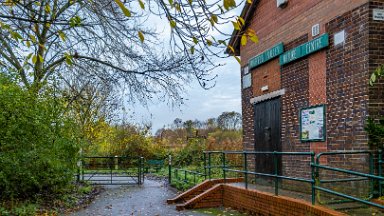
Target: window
<point>245,70</point>
<point>247,78</point>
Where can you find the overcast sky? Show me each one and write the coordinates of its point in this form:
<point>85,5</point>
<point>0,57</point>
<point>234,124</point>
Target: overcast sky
<point>200,104</point>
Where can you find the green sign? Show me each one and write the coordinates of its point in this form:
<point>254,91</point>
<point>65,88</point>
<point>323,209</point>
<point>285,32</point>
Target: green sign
<point>305,49</point>
<point>266,56</point>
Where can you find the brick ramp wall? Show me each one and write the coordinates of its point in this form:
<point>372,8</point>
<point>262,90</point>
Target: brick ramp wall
<point>200,188</point>
<point>254,202</point>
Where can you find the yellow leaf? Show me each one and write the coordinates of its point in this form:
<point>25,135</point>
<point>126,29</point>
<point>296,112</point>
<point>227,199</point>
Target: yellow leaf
<point>173,23</point>
<point>33,38</point>
<point>141,4</point>
<point>34,59</point>
<point>249,1</point>
<point>231,48</point>
<point>209,42</point>
<point>47,8</point>
<point>214,18</point>
<point>62,36</point>
<point>141,36</point>
<point>238,59</point>
<point>241,20</point>
<point>243,40</point>
<point>236,25</point>
<point>41,59</point>
<point>123,8</point>
<point>254,38</point>
<point>192,50</point>
<point>195,40</point>
<point>177,6</point>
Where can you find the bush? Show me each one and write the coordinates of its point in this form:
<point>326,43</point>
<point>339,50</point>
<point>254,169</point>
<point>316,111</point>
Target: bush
<point>38,144</point>
<point>375,131</point>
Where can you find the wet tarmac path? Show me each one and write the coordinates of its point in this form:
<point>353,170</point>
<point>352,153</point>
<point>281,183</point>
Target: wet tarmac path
<point>148,199</point>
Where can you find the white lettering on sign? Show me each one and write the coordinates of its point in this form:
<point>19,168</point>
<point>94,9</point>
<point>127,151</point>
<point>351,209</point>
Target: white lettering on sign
<point>313,45</point>
<point>378,14</point>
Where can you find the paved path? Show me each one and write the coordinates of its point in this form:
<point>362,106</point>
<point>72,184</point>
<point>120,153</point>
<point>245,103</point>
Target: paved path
<point>148,199</point>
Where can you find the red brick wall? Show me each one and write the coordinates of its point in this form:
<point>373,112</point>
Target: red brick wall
<point>347,82</point>
<point>295,80</point>
<point>248,119</point>
<point>274,25</point>
<point>337,76</point>
<point>376,57</point>
<point>260,203</point>
<point>266,75</point>
<point>255,202</point>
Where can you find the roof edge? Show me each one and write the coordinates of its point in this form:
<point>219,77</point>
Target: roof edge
<point>246,14</point>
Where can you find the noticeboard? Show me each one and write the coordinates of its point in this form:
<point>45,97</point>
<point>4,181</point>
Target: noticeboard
<point>312,123</point>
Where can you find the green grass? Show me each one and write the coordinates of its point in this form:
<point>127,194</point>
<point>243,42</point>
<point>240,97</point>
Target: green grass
<point>221,212</point>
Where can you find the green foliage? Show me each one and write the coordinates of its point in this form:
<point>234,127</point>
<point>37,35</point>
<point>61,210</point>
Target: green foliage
<point>24,209</point>
<point>375,131</point>
<point>191,154</point>
<point>376,75</point>
<point>38,145</point>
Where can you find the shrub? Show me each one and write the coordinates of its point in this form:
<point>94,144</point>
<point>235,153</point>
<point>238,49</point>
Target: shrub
<point>38,144</point>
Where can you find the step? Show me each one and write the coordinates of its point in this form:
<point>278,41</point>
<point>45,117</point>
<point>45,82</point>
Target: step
<point>200,188</point>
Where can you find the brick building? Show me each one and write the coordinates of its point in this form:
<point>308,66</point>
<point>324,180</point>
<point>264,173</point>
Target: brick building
<point>305,84</point>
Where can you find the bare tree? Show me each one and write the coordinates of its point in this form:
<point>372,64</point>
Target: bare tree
<point>109,40</point>
<point>230,120</point>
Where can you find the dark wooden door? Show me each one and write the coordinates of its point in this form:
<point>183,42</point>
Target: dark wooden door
<point>267,134</point>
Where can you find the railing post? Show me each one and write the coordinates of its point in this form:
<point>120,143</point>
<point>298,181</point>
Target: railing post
<point>185,176</point>
<point>380,172</point>
<point>371,182</point>
<point>111,167</point>
<point>142,169</point>
<point>138,171</point>
<point>223,157</point>
<point>82,168</point>
<point>209,165</point>
<point>78,170</point>
<point>170,169</point>
<point>276,173</point>
<point>246,170</point>
<point>313,178</point>
<point>205,165</point>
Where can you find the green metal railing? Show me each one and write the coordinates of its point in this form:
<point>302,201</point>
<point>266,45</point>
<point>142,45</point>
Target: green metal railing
<point>361,176</point>
<point>183,174</point>
<point>344,153</point>
<point>315,168</point>
<point>315,180</point>
<point>246,172</point>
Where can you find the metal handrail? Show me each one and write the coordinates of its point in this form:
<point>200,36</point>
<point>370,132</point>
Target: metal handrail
<point>246,172</point>
<point>362,177</point>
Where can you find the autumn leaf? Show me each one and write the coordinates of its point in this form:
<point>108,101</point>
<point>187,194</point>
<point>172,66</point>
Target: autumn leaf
<point>123,8</point>
<point>141,36</point>
<point>172,23</point>
<point>141,4</point>
<point>243,40</point>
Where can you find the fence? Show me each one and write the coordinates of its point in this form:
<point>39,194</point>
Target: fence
<point>315,179</point>
<point>110,170</point>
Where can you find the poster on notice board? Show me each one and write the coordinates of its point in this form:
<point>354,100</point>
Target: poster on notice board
<point>312,123</point>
